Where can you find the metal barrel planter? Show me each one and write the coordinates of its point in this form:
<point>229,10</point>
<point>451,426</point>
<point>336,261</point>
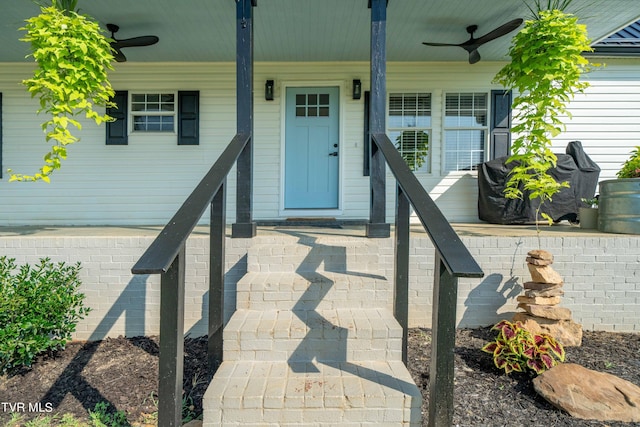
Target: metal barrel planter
<point>619,207</point>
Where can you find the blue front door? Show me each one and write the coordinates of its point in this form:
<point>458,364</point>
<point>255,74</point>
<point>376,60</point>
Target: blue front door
<point>311,148</point>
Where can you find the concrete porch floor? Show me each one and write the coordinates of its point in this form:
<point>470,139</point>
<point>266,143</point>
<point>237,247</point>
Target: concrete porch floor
<point>463,229</point>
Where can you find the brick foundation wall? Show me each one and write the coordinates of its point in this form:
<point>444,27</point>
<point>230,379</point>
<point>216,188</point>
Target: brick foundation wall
<point>601,275</point>
<point>602,279</point>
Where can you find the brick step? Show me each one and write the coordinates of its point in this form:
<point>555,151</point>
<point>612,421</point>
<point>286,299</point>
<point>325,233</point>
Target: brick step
<point>340,335</point>
<point>247,393</point>
<point>329,254</point>
<point>313,290</point>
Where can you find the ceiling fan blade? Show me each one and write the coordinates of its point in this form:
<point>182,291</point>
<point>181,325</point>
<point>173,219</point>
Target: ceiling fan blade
<point>117,53</point>
<point>498,32</point>
<point>440,44</point>
<point>474,56</point>
<point>137,41</point>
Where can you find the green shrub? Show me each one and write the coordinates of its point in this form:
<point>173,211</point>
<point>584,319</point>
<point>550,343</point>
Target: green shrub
<point>515,349</point>
<point>39,309</point>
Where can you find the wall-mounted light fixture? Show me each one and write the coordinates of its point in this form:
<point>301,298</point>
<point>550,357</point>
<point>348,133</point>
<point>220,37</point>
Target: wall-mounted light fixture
<point>357,89</point>
<point>268,90</point>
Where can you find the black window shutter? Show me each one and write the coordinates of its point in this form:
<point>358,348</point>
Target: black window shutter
<point>188,117</point>
<point>500,123</point>
<point>117,132</point>
<point>1,167</point>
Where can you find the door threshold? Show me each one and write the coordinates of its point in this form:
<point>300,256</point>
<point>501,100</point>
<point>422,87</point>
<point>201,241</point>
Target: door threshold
<point>311,222</point>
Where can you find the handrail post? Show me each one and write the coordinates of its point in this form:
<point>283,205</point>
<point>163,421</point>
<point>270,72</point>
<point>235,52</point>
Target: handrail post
<point>216,276</point>
<point>244,225</point>
<point>443,340</point>
<point>377,226</point>
<point>171,357</point>
<point>401,286</point>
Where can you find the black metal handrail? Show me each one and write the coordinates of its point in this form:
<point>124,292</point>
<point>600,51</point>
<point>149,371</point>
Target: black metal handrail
<point>452,261</point>
<point>166,256</point>
<point>454,253</point>
<point>158,257</point>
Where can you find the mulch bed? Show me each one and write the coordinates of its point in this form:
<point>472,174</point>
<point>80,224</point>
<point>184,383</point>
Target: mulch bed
<point>123,372</point>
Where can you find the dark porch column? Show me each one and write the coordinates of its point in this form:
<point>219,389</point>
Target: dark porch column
<point>244,225</point>
<point>377,226</point>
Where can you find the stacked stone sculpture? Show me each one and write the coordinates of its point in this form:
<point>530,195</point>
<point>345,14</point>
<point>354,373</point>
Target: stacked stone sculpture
<point>541,300</point>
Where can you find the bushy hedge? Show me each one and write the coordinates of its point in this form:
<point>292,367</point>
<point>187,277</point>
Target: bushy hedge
<point>40,307</point>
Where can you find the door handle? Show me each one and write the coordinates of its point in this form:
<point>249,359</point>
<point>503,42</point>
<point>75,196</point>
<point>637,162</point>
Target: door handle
<point>335,153</point>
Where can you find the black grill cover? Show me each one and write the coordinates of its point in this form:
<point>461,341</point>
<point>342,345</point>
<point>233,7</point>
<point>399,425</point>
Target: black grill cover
<point>576,167</point>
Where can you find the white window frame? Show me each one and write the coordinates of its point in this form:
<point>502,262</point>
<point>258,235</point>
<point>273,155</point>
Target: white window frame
<point>426,167</point>
<point>446,129</point>
<point>133,114</point>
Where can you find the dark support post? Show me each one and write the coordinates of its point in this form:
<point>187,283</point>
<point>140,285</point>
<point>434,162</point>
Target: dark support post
<point>171,343</point>
<point>244,225</point>
<point>377,226</point>
<point>401,291</point>
<point>216,276</point>
<point>443,339</point>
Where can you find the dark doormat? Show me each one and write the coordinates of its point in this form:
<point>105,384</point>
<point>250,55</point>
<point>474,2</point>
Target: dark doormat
<point>310,222</point>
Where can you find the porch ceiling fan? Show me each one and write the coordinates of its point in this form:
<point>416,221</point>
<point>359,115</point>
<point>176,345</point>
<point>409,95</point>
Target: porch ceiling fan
<point>117,45</point>
<point>473,44</point>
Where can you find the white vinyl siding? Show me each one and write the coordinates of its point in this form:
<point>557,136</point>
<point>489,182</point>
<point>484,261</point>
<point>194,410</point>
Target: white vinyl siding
<point>144,183</point>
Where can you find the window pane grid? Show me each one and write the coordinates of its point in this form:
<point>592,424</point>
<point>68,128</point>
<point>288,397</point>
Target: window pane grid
<point>465,110</point>
<point>153,112</point>
<point>153,123</point>
<point>312,105</point>
<point>153,102</point>
<point>409,123</point>
<point>465,130</point>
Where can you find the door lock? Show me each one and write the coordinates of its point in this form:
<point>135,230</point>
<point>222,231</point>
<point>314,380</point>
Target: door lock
<point>335,153</point>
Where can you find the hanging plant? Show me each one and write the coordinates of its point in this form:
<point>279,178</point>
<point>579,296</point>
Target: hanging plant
<point>545,69</point>
<point>73,58</point>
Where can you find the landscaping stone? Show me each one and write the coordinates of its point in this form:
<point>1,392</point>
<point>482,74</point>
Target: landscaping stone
<point>536,261</point>
<point>544,274</point>
<point>536,286</point>
<point>541,254</point>
<point>539,300</point>
<point>551,292</point>
<point>589,395</point>
<point>547,312</point>
<point>567,332</point>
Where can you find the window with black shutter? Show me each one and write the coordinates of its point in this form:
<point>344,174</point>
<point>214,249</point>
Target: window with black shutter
<point>155,113</point>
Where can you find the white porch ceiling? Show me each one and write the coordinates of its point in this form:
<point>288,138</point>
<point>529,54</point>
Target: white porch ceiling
<point>310,30</point>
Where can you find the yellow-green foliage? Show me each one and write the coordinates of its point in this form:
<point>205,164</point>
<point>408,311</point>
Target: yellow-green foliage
<point>545,69</point>
<point>73,58</point>
<point>631,168</point>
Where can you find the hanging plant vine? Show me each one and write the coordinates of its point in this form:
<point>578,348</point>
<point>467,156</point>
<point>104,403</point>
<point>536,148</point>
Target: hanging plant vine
<point>73,58</point>
<point>545,69</point>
